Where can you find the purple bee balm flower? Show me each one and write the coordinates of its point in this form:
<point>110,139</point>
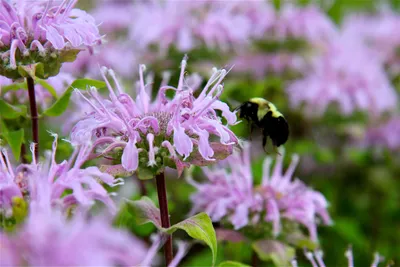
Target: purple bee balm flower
<point>379,33</point>
<point>230,195</point>
<point>192,24</point>
<point>11,184</point>
<point>386,135</point>
<point>85,184</point>
<point>33,32</point>
<point>43,97</point>
<point>308,23</point>
<point>154,134</point>
<point>49,238</point>
<point>356,84</point>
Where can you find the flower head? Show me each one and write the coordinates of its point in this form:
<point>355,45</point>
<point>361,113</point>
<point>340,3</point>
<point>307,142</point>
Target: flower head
<point>153,133</point>
<point>86,184</point>
<point>346,74</point>
<point>49,238</point>
<point>40,32</point>
<point>385,135</point>
<point>231,195</point>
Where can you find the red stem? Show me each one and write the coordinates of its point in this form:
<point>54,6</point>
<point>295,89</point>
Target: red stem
<point>34,114</point>
<point>163,203</point>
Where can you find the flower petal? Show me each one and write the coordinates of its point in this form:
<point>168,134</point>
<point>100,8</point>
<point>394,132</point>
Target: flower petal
<point>130,156</point>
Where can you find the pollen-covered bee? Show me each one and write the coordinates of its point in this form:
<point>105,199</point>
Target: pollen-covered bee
<point>263,114</point>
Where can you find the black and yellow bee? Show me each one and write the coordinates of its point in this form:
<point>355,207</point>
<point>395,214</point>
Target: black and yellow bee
<point>263,114</point>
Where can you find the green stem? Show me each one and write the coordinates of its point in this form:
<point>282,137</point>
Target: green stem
<point>163,203</point>
<point>34,115</point>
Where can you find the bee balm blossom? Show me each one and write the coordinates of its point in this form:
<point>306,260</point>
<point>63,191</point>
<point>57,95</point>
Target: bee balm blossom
<point>39,31</point>
<point>346,74</point>
<point>230,195</point>
<point>85,184</point>
<point>49,238</point>
<point>153,133</point>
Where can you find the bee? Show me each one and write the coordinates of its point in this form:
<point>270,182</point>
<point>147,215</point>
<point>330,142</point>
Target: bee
<point>263,114</point>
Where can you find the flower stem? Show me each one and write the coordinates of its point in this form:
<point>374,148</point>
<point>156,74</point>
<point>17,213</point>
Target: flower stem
<point>163,203</point>
<point>34,114</point>
<point>254,259</point>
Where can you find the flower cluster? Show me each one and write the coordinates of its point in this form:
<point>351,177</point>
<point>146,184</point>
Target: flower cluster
<point>231,195</point>
<point>85,184</point>
<point>385,135</point>
<point>223,25</point>
<point>33,32</point>
<point>151,132</point>
<point>378,32</point>
<point>49,238</point>
<point>357,84</point>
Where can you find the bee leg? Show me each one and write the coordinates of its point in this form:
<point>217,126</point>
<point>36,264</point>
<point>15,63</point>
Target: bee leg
<point>276,150</point>
<point>251,130</point>
<point>265,139</point>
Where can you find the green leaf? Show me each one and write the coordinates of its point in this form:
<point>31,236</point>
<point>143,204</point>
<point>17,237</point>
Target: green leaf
<point>13,87</point>
<point>198,227</point>
<point>145,211</point>
<point>48,87</point>
<point>274,250</point>
<point>61,104</point>
<point>232,264</point>
<point>8,111</point>
<point>15,140</point>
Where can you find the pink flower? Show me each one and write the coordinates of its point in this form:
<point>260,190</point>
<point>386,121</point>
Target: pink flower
<point>379,33</point>
<point>230,195</point>
<point>150,132</point>
<point>11,184</point>
<point>49,238</point>
<point>85,184</point>
<point>386,135</point>
<point>190,25</point>
<point>348,75</point>
<point>35,32</point>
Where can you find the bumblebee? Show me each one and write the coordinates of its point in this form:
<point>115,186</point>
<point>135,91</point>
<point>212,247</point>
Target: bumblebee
<point>263,114</point>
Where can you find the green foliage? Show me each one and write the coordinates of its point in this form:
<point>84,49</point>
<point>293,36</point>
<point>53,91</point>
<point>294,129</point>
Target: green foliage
<point>198,227</point>
<point>61,104</point>
<point>14,139</point>
<point>232,264</point>
<point>8,111</point>
<point>274,250</point>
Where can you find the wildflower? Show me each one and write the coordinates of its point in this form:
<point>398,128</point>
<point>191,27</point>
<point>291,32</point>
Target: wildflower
<point>40,32</point>
<point>348,75</point>
<point>191,25</point>
<point>378,32</point>
<point>43,96</point>
<point>49,238</point>
<point>231,196</point>
<point>153,133</point>
<point>385,135</point>
<point>85,184</point>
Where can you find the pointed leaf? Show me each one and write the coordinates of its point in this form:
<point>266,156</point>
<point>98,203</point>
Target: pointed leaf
<point>232,264</point>
<point>15,140</point>
<point>48,87</point>
<point>13,87</point>
<point>145,211</point>
<point>198,227</point>
<point>61,104</point>
<point>274,250</point>
<point>8,111</point>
